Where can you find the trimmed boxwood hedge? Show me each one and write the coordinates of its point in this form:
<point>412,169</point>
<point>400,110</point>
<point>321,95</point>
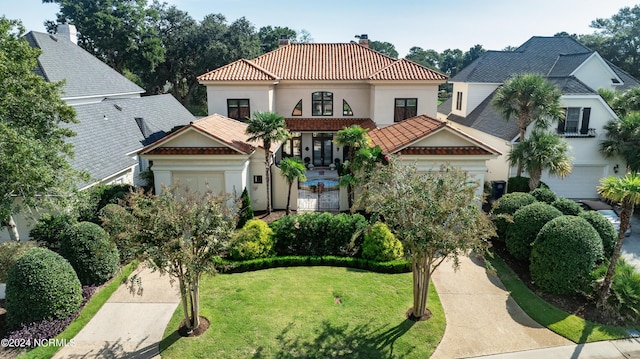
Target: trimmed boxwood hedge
<point>567,206</point>
<point>254,240</point>
<point>564,255</point>
<point>527,222</point>
<point>227,266</point>
<point>505,207</point>
<point>380,244</point>
<point>544,195</point>
<point>41,284</point>
<point>521,184</point>
<point>605,229</point>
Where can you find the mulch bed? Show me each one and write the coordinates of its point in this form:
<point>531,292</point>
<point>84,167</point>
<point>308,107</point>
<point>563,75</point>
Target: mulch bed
<point>204,325</point>
<point>578,305</point>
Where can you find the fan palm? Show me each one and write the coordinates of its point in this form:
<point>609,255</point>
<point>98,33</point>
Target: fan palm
<point>529,98</point>
<point>623,139</point>
<point>354,137</point>
<point>541,151</point>
<point>626,191</point>
<point>270,128</point>
<point>291,169</point>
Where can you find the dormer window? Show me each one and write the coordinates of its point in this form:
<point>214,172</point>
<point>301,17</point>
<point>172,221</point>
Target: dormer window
<point>346,109</point>
<point>322,103</point>
<point>297,111</point>
<point>615,81</point>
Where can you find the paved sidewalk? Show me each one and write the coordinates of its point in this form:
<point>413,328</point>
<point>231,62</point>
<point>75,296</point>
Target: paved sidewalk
<point>128,325</point>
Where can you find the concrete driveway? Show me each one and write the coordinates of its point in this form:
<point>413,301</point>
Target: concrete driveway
<point>631,244</point>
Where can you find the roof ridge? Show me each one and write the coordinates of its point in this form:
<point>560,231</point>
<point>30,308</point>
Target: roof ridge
<point>39,46</point>
<point>258,67</point>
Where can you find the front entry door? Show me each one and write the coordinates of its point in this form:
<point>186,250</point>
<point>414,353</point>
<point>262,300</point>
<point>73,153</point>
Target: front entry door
<point>322,150</point>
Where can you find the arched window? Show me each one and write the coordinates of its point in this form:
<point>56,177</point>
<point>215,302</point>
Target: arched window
<point>297,111</point>
<point>322,103</point>
<point>346,109</point>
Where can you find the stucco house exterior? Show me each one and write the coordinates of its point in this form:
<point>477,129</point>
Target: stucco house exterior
<point>578,72</point>
<point>114,120</point>
<point>319,89</point>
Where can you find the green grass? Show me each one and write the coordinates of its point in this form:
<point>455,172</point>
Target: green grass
<point>567,325</point>
<point>89,310</point>
<point>291,313</point>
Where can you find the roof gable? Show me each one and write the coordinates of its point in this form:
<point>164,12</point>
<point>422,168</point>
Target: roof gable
<point>84,74</point>
<point>323,62</point>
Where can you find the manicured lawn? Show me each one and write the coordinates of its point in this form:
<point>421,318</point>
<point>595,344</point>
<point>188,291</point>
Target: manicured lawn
<point>567,325</point>
<point>291,313</point>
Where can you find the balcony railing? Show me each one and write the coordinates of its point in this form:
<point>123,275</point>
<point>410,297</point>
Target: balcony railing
<point>576,133</point>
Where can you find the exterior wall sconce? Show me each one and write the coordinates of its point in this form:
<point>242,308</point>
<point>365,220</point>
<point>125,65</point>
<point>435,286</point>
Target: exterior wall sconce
<point>616,168</point>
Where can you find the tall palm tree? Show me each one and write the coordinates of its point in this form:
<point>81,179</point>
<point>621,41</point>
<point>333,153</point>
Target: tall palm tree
<point>623,139</point>
<point>541,151</point>
<point>530,98</point>
<point>270,128</point>
<point>626,191</point>
<point>291,169</point>
<point>354,137</point>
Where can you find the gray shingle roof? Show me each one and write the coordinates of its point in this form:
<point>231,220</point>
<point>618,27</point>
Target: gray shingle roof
<point>85,74</point>
<point>571,86</point>
<point>107,131</point>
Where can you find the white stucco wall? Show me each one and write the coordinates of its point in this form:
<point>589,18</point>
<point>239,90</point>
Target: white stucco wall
<point>383,100</point>
<point>595,73</point>
<point>261,97</point>
<point>472,95</point>
<point>287,96</point>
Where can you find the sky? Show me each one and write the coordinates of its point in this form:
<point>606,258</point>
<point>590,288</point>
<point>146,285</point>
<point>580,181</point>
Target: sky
<point>429,24</point>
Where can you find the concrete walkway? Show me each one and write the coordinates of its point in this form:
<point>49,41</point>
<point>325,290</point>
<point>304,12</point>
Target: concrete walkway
<point>128,325</point>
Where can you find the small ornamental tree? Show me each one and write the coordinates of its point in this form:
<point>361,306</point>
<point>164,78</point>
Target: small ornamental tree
<point>436,215</point>
<point>180,231</point>
<point>292,169</point>
<point>246,209</point>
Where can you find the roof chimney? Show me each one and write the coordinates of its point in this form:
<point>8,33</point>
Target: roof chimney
<point>364,40</point>
<point>68,31</point>
<point>284,41</point>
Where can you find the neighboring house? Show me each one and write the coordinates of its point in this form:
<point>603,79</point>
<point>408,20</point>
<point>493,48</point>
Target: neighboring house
<point>578,72</point>
<point>319,89</point>
<point>114,121</point>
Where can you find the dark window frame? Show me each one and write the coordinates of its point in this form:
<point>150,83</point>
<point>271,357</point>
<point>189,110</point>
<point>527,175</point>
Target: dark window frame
<point>326,98</point>
<point>405,111</point>
<point>235,108</point>
<point>296,136</point>
<point>346,108</point>
<point>459,100</point>
<point>298,108</point>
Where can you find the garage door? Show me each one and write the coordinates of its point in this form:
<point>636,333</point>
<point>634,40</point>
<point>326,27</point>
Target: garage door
<point>580,183</point>
<point>201,181</point>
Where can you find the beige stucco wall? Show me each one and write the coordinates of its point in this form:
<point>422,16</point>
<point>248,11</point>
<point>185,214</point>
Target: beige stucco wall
<point>356,94</point>
<point>261,97</point>
<point>472,95</point>
<point>383,100</point>
<point>280,188</point>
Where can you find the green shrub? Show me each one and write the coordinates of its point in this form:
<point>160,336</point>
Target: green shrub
<point>10,252</point>
<point>246,209</point>
<point>391,267</point>
<point>625,291</point>
<point>41,285</point>
<point>93,199</point>
<point>49,228</point>
<point>254,240</point>
<point>318,234</point>
<point>605,229</point>
<point>521,184</point>
<point>567,206</point>
<point>564,255</point>
<point>544,195</point>
<point>380,244</point>
<point>87,247</point>
<point>505,207</point>
<point>116,221</point>
<point>527,222</point>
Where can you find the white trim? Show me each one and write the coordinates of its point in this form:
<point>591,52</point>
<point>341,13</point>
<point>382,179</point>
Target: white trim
<point>601,60</point>
<point>591,97</point>
<point>115,175</point>
<point>103,96</point>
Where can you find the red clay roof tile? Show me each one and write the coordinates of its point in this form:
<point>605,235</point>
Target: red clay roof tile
<point>444,150</point>
<point>193,151</point>
<point>327,124</point>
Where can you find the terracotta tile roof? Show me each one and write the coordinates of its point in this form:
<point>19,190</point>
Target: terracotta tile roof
<point>344,61</point>
<point>226,130</point>
<point>401,134</point>
<point>193,151</point>
<point>327,124</point>
<point>398,137</point>
<point>444,150</point>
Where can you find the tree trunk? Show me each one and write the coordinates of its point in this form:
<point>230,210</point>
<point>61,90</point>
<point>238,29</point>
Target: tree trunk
<point>289,196</point>
<point>12,228</point>
<point>267,175</point>
<point>522,133</point>
<point>350,196</point>
<point>534,179</point>
<point>421,277</point>
<point>625,218</point>
<point>185,304</point>
<point>196,302</point>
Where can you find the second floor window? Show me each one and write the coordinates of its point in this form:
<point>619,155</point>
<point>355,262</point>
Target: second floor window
<point>576,121</point>
<point>459,101</point>
<point>405,108</point>
<point>322,103</point>
<point>238,109</point>
<point>346,109</point>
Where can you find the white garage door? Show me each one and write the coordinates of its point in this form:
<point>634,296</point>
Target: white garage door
<point>581,183</point>
<point>201,181</point>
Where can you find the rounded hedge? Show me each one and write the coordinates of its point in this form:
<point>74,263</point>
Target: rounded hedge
<point>605,229</point>
<point>527,222</point>
<point>10,252</point>
<point>544,195</point>
<point>41,285</point>
<point>567,206</point>
<point>521,184</point>
<point>380,244</point>
<point>88,248</point>
<point>49,228</point>
<point>564,253</point>
<point>506,206</point>
<point>254,240</point>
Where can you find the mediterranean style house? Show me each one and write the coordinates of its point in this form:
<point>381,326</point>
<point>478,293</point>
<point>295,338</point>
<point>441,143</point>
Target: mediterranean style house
<point>319,89</point>
<point>114,120</point>
<point>578,72</point>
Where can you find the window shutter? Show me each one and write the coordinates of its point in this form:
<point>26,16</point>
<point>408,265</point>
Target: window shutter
<point>586,113</point>
<point>561,126</point>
